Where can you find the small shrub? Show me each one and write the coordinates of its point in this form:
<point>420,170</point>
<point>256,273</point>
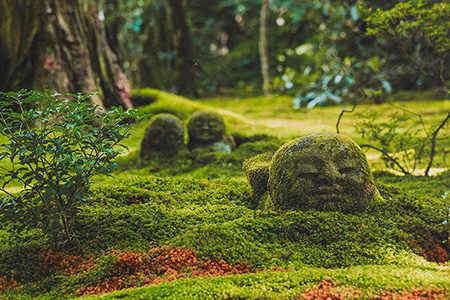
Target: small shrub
<point>405,142</point>
<point>56,144</point>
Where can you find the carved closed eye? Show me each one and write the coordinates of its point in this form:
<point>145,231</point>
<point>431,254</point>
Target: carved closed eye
<point>309,175</point>
<point>348,170</point>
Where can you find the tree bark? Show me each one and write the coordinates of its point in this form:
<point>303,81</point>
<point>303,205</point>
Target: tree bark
<point>263,47</point>
<point>185,80</point>
<point>153,70</point>
<point>18,27</point>
<point>63,47</point>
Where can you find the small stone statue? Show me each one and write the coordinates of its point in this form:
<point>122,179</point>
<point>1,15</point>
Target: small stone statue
<point>164,136</point>
<point>206,131</point>
<point>318,171</point>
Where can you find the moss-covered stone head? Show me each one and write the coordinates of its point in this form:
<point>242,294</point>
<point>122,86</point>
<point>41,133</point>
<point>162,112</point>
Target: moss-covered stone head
<point>206,131</point>
<point>206,126</point>
<point>321,171</point>
<point>165,135</point>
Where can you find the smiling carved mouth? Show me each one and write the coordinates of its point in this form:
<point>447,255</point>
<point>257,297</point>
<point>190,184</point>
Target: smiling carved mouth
<point>330,193</point>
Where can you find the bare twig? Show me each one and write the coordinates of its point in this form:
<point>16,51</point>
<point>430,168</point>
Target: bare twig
<point>349,111</point>
<point>433,144</point>
<point>388,156</point>
<point>364,96</point>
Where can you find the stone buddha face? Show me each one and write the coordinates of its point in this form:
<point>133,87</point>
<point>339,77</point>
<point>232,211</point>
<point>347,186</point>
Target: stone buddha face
<point>206,126</point>
<point>165,134</point>
<point>323,171</point>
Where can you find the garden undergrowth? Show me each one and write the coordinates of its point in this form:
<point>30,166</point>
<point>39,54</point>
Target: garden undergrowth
<point>200,227</point>
<point>164,225</point>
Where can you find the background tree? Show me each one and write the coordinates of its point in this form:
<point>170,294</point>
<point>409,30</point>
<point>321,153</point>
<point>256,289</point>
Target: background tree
<point>184,60</point>
<point>194,48</point>
<point>60,45</point>
<point>263,47</point>
<point>154,40</point>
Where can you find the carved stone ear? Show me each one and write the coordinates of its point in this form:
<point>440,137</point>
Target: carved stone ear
<point>256,170</point>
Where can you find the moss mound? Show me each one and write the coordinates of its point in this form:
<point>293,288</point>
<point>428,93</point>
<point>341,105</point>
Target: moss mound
<point>216,219</point>
<point>201,203</point>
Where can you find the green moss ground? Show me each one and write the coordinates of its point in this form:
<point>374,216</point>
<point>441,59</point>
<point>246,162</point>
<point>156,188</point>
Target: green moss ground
<point>202,202</point>
<point>287,285</point>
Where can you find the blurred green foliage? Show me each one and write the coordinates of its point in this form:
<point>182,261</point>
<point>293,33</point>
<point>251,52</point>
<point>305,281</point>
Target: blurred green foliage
<point>321,52</point>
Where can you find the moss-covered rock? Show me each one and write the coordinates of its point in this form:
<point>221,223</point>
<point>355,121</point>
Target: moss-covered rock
<point>256,170</point>
<point>164,136</point>
<point>319,171</point>
<point>207,131</point>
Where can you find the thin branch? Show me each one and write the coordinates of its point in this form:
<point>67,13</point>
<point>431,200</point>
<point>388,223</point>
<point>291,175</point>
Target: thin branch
<point>433,144</point>
<point>349,111</point>
<point>412,113</point>
<point>388,156</point>
<point>6,192</point>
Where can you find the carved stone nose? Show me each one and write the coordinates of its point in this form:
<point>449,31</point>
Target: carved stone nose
<point>329,175</point>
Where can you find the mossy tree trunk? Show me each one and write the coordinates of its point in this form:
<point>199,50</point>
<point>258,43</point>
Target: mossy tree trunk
<point>62,46</point>
<point>155,65</point>
<point>263,47</point>
<point>184,60</point>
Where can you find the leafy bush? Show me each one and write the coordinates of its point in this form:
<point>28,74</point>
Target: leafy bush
<point>340,80</point>
<point>417,31</point>
<point>406,143</point>
<point>56,143</point>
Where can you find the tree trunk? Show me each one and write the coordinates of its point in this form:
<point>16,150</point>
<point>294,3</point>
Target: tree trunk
<point>62,46</point>
<point>185,80</point>
<point>19,24</point>
<point>153,69</point>
<point>263,47</point>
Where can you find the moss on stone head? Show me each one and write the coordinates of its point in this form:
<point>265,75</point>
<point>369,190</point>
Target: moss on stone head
<point>206,131</point>
<point>321,171</point>
<point>206,126</point>
<point>164,135</point>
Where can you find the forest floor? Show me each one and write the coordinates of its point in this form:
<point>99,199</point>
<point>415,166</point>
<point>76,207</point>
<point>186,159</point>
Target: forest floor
<point>187,228</point>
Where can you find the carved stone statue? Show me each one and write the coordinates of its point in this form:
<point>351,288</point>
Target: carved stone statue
<point>164,136</point>
<point>319,171</point>
<point>206,131</point>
